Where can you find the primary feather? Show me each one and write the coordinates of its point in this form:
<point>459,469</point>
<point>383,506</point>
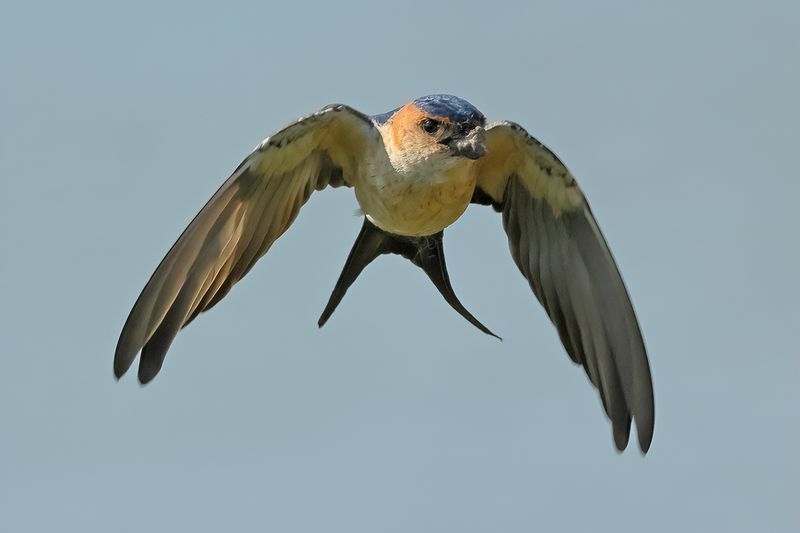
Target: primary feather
<point>558,247</point>
<point>239,224</point>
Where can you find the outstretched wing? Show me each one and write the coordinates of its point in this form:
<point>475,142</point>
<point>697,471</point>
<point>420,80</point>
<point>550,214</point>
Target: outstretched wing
<point>558,247</point>
<point>239,224</point>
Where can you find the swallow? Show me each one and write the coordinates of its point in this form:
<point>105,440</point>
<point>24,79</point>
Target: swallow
<point>414,171</point>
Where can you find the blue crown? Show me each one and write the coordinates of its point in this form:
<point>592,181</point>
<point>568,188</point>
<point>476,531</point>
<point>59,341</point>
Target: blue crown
<point>449,106</point>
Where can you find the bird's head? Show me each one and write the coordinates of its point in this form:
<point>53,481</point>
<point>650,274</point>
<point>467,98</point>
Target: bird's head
<point>434,130</point>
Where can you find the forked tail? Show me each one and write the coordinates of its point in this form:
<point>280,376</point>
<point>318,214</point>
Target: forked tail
<point>425,252</point>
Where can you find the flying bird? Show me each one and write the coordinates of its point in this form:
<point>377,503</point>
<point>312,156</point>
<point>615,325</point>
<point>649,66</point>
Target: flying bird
<point>414,171</point>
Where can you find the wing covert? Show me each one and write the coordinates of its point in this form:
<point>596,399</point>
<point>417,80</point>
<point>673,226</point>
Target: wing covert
<point>557,245</point>
<point>237,226</point>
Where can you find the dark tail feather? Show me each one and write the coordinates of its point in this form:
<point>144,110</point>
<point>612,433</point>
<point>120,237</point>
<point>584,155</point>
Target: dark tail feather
<point>430,258</point>
<point>370,243</point>
<point>425,252</point>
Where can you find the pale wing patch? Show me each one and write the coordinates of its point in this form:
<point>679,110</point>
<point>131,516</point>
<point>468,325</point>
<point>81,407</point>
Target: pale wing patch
<point>254,207</point>
<point>558,247</point>
<point>513,152</point>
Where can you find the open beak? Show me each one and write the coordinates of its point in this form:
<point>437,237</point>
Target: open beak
<point>471,146</point>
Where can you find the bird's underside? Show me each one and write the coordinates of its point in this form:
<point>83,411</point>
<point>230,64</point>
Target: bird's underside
<point>413,170</point>
<point>425,252</point>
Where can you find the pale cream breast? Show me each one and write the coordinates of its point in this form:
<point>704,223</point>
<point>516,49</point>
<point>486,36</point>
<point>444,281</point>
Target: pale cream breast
<point>418,203</point>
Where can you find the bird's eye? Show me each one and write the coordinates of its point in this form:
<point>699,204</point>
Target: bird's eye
<point>430,125</point>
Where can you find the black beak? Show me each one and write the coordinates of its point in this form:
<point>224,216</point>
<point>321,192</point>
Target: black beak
<point>472,145</point>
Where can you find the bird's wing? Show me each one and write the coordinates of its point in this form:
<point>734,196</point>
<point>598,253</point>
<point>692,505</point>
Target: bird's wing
<point>239,223</point>
<point>558,247</point>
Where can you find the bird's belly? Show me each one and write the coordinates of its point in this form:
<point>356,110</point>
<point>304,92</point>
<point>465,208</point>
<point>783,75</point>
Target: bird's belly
<point>416,207</point>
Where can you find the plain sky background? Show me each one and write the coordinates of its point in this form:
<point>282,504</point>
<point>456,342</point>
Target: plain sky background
<point>118,121</point>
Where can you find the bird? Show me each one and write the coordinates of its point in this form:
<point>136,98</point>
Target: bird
<point>414,171</point>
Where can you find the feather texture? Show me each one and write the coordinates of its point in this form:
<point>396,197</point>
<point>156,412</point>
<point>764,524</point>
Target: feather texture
<point>558,247</point>
<point>237,226</point>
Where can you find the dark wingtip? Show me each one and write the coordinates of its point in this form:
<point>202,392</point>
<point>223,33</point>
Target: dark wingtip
<point>645,437</point>
<point>121,365</point>
<point>622,433</point>
<point>152,359</point>
<point>622,436</point>
<point>147,373</point>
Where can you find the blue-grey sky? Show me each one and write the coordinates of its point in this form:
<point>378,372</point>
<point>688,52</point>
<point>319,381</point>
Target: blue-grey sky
<point>118,121</point>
